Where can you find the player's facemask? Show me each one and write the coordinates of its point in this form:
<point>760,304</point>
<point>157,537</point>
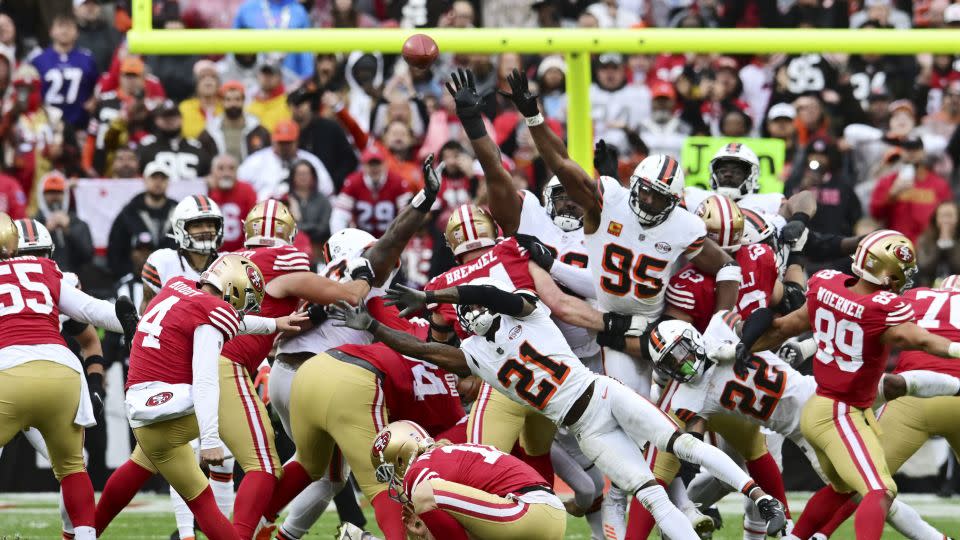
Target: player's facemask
<point>682,358</point>
<point>566,214</point>
<point>476,319</point>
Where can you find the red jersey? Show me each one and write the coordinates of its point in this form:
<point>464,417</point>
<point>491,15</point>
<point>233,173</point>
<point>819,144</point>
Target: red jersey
<point>506,261</point>
<point>939,313</point>
<point>235,204</point>
<point>475,465</point>
<point>163,345</point>
<point>250,350</point>
<point>373,211</point>
<point>13,202</point>
<point>850,357</point>
<point>695,294</point>
<point>29,300</point>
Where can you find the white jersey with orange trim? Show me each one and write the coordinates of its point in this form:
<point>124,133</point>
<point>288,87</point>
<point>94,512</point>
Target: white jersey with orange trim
<point>529,362</point>
<point>632,263</point>
<point>764,203</point>
<point>163,265</point>
<point>567,247</point>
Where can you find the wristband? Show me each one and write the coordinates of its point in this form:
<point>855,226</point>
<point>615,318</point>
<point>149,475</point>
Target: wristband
<point>954,349</point>
<point>808,347</point>
<point>802,217</point>
<point>474,127</point>
<point>730,272</point>
<point>794,257</point>
<point>534,120</point>
<point>420,202</point>
<point>94,359</point>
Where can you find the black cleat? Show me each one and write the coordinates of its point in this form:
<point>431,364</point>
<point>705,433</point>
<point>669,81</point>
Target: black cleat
<point>772,512</point>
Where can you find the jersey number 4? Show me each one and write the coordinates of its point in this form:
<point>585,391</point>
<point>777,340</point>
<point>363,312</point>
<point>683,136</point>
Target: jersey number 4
<point>621,275</point>
<point>769,380</point>
<point>151,323</point>
<point>520,369</point>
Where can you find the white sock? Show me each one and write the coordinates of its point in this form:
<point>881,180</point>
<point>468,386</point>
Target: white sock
<point>182,514</point>
<point>65,517</point>
<point>908,522</point>
<point>614,512</point>
<point>924,384</point>
<point>223,491</point>
<point>85,533</point>
<point>307,507</point>
<point>754,526</point>
<point>672,522</point>
<point>678,494</point>
<point>689,448</point>
<point>595,520</point>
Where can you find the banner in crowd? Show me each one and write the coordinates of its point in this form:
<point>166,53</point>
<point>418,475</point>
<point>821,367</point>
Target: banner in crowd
<point>698,151</point>
<point>99,201</point>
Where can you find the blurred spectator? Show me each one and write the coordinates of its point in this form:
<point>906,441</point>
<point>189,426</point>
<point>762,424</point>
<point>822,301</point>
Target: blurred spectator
<point>905,199</point>
<point>278,15</point>
<point>371,197</point>
<point>735,123</point>
<point>68,72</point>
<point>95,32</point>
<point>610,15</point>
<point>171,69</point>
<point>344,14</point>
<point>73,246</point>
<point>309,207</point>
<point>946,118</point>
<point>812,121</point>
<point>364,76</point>
<point>270,100</point>
<point>883,13</point>
<point>663,131</point>
<point>148,212</point>
<point>803,75</point>
<point>235,198</point>
<point>125,163</point>
<point>268,169</point>
<point>938,249</point>
<point>869,73</point>
<point>121,117</point>
<point>820,171</point>
<point>243,68</point>
<point>322,137</point>
<point>459,181</point>
<point>183,158</point>
<point>233,131</point>
<point>13,201</point>
<point>205,104</point>
<point>399,143</point>
<point>615,106</point>
<point>720,91</point>
<point>12,42</point>
<point>551,77</point>
<point>780,125</point>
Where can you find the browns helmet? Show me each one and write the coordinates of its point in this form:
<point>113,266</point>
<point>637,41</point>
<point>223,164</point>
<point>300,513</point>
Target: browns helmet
<point>724,221</point>
<point>394,449</point>
<point>35,239</point>
<point>470,227</point>
<point>192,209</point>
<point>736,186</point>
<point>239,281</point>
<point>656,187</point>
<point>9,238</point>
<point>886,258</point>
<point>269,223</point>
<point>677,350</point>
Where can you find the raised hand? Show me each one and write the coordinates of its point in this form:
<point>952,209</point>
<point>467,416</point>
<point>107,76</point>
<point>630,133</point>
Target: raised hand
<point>412,299</point>
<point>463,88</point>
<point>127,315</point>
<point>351,317</point>
<point>539,253</point>
<point>521,96</point>
<point>606,159</point>
<point>432,177</point>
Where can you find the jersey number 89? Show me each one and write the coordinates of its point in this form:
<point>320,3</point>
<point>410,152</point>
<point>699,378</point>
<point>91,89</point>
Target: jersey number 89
<point>843,336</point>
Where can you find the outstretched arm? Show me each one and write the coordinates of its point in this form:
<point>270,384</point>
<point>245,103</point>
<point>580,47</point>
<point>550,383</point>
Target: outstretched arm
<point>909,336</point>
<point>317,289</point>
<point>488,296</point>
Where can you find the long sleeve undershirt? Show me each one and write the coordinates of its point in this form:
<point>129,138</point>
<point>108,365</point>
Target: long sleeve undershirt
<point>579,280</point>
<point>80,306</point>
<point>207,342</point>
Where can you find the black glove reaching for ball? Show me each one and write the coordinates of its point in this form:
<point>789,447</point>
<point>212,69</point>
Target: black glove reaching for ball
<point>521,96</point>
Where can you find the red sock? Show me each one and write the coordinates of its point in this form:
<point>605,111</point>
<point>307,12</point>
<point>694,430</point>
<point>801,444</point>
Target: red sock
<point>871,515</point>
<point>542,464</point>
<point>765,471</point>
<point>294,480</point>
<point>78,499</point>
<point>122,485</point>
<point>442,525</point>
<point>640,521</point>
<point>839,517</point>
<point>212,522</point>
<point>389,516</point>
<point>253,496</point>
<point>819,510</point>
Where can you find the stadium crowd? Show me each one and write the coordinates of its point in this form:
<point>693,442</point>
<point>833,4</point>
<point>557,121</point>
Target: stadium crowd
<point>341,138</point>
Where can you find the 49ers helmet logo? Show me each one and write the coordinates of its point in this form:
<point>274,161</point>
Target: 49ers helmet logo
<point>381,443</point>
<point>904,253</point>
<point>255,279</point>
<point>159,399</point>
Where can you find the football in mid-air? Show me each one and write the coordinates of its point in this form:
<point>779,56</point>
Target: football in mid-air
<point>420,50</point>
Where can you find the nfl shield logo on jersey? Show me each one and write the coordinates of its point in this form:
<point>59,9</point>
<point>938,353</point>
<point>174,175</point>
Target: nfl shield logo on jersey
<point>515,331</point>
<point>158,399</point>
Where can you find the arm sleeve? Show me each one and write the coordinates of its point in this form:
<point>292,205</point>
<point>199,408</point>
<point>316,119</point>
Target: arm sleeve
<point>254,324</point>
<point>83,307</point>
<point>491,297</point>
<point>207,342</point>
<point>579,280</point>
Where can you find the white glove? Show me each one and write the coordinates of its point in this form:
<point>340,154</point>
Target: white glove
<point>725,353</point>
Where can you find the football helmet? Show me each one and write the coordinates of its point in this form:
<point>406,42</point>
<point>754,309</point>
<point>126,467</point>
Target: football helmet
<point>346,243</point>
<point>569,215</point>
<point>192,209</point>
<point>269,223</point>
<point>724,221</point>
<point>35,239</point>
<point>886,258</point>
<point>239,281</point>
<point>733,185</point>
<point>656,187</point>
<point>478,319</point>
<point>9,237</point>
<point>468,228</point>
<point>394,449</point>
<point>677,350</point>
<point>950,283</point>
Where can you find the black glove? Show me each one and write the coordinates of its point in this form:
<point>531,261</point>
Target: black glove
<point>521,96</point>
<point>615,340</point>
<point>793,232</point>
<point>463,88</point>
<point>743,359</point>
<point>352,317</point>
<point>97,393</point>
<point>317,313</point>
<point>539,253</point>
<point>790,353</point>
<point>412,300</point>
<point>606,160</point>
<point>616,323</point>
<point>432,178</point>
<point>359,269</point>
<point>127,315</point>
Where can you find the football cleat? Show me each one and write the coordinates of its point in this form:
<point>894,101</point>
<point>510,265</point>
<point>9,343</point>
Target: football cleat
<point>349,531</point>
<point>702,524</point>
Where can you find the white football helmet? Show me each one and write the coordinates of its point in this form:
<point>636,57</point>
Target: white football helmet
<point>656,187</point>
<point>570,216</point>
<point>35,239</point>
<point>478,319</point>
<point>192,209</point>
<point>346,243</point>
<point>677,350</point>
<point>734,187</point>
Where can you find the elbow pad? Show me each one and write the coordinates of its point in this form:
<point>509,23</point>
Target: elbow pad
<point>794,296</point>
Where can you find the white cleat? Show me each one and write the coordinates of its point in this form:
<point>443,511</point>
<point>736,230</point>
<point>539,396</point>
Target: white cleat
<point>349,531</point>
<point>703,525</point>
<point>614,514</point>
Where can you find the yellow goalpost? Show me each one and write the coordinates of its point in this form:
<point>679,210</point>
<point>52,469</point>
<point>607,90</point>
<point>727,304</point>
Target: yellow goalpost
<point>577,44</point>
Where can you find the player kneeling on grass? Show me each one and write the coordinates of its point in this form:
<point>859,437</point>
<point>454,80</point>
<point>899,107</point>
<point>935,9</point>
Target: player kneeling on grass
<point>463,491</point>
<point>520,352</point>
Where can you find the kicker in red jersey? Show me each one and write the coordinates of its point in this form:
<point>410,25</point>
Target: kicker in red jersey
<point>163,345</point>
<point>29,296</point>
<point>847,326</point>
<point>938,312</point>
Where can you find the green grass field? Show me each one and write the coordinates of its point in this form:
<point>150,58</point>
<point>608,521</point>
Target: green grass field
<point>35,516</point>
